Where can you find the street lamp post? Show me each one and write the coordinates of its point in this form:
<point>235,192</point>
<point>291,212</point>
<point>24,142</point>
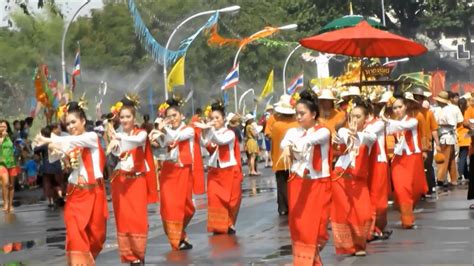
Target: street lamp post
<point>63,40</point>
<point>284,66</point>
<point>286,27</point>
<point>222,10</point>
<point>383,13</point>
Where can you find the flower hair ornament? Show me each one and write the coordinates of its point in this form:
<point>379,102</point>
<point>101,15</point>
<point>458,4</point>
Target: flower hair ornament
<point>208,111</point>
<point>61,111</point>
<point>162,109</point>
<point>82,102</point>
<point>294,99</point>
<point>115,109</point>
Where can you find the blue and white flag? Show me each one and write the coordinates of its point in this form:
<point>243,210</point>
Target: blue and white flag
<point>231,79</point>
<point>296,83</point>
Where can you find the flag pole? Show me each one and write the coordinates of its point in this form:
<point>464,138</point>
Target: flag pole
<point>79,49</point>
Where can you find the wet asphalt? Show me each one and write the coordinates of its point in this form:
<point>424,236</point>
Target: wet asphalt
<point>35,234</point>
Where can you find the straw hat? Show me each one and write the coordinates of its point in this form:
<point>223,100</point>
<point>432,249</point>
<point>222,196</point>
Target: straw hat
<point>353,91</point>
<point>386,96</point>
<point>248,117</point>
<point>443,97</point>
<point>341,97</point>
<point>230,116</point>
<point>284,105</point>
<point>409,96</point>
<point>467,95</point>
<point>417,91</point>
<point>439,158</point>
<point>326,94</point>
<point>268,107</point>
<point>233,120</point>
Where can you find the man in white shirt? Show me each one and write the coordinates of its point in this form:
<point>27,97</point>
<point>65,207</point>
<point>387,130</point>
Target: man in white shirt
<point>448,117</point>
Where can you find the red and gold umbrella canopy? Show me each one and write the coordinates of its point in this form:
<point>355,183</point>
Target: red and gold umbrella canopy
<point>363,40</point>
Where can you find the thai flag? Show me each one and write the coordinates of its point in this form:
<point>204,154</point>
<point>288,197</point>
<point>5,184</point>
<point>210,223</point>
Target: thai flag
<point>231,79</point>
<point>77,69</point>
<point>296,83</point>
<point>77,64</point>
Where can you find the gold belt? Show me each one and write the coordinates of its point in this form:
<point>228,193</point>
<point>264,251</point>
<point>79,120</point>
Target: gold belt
<point>127,175</point>
<point>84,186</point>
<point>342,174</point>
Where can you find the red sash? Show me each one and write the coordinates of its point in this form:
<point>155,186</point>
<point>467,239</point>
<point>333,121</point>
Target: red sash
<point>199,183</point>
<point>139,156</point>
<point>88,162</point>
<point>224,152</point>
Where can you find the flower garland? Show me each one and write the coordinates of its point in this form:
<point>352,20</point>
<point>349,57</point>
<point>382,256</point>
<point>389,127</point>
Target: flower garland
<point>74,156</point>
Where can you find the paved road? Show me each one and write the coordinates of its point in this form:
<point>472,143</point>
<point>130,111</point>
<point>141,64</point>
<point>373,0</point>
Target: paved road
<point>444,236</point>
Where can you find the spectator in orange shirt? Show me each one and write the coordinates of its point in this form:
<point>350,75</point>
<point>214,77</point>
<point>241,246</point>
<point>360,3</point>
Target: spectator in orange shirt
<point>464,141</point>
<point>431,135</point>
<point>277,125</point>
<point>469,123</point>
<point>330,116</point>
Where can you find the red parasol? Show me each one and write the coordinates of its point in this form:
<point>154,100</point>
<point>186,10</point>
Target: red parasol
<point>363,40</point>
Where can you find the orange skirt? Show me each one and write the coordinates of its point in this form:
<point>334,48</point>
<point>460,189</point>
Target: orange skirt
<point>409,184</point>
<point>224,195</point>
<point>351,212</point>
<point>379,191</point>
<point>85,216</point>
<point>131,217</point>
<point>177,208</point>
<point>309,202</point>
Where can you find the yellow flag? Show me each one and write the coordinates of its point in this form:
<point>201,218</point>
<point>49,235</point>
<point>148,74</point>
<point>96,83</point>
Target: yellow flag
<point>268,86</point>
<point>176,76</point>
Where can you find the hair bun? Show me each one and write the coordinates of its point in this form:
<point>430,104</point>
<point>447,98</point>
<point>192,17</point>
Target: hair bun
<point>218,106</point>
<point>175,101</point>
<point>127,102</point>
<point>74,106</point>
<point>131,100</point>
<point>309,95</point>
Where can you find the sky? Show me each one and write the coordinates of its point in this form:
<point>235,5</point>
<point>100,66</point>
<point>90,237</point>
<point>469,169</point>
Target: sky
<point>68,8</point>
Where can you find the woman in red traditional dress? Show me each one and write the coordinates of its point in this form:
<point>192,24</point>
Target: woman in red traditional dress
<point>133,183</point>
<point>351,212</point>
<point>407,163</point>
<point>378,179</point>
<point>85,212</point>
<point>309,185</point>
<point>224,177</point>
<point>176,180</point>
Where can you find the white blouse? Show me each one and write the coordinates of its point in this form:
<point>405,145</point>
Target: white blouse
<point>398,126</point>
<point>378,128</point>
<point>362,138</point>
<point>220,137</point>
<point>172,136</point>
<point>88,140</point>
<point>304,142</point>
<point>127,143</point>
